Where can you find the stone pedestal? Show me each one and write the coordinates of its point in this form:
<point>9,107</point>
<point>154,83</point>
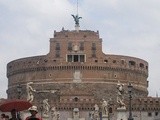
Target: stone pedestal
<point>45,118</point>
<point>121,113</point>
<point>77,28</point>
<point>104,117</point>
<point>76,119</point>
<point>76,115</point>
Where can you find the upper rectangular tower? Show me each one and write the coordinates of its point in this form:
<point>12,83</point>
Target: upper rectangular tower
<point>73,46</point>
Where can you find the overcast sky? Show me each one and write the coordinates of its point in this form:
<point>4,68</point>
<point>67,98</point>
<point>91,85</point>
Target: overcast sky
<point>127,27</point>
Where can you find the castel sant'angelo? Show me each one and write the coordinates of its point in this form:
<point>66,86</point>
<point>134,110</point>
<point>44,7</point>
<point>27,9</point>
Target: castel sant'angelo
<point>76,75</point>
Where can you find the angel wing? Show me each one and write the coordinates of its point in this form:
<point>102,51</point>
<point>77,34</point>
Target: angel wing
<point>79,17</point>
<point>73,16</point>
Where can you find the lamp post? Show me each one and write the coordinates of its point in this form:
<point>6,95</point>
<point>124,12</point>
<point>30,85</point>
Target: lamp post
<point>100,115</point>
<point>110,103</point>
<point>19,90</point>
<point>130,99</point>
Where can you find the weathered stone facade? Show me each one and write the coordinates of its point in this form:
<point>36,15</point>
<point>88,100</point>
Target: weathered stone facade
<point>80,73</point>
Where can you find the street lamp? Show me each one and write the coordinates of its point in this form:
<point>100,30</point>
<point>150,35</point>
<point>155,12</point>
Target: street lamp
<point>19,90</point>
<point>100,115</point>
<point>130,104</point>
<point>110,103</point>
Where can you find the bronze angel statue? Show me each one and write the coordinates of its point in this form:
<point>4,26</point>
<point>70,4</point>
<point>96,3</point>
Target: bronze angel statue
<point>76,19</point>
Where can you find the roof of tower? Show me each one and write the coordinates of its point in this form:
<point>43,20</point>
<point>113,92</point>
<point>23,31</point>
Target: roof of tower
<point>80,33</point>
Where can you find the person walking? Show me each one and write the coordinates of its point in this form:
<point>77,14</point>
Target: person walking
<point>14,115</point>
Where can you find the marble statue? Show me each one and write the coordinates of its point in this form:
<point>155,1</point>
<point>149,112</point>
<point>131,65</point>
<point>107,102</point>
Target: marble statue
<point>120,97</point>
<point>30,91</point>
<point>96,108</point>
<point>58,116</point>
<point>91,115</point>
<point>54,114</point>
<point>104,108</point>
<point>96,112</point>
<point>46,107</point>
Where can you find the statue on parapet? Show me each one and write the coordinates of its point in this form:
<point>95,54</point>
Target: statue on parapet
<point>76,19</point>
<point>104,108</point>
<point>30,90</point>
<point>120,96</point>
<point>96,112</point>
<point>46,108</point>
<point>96,108</point>
<point>54,114</point>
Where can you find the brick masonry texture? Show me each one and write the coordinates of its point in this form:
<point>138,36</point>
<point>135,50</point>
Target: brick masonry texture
<point>78,83</point>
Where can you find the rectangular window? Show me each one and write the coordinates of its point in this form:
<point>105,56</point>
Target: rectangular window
<point>69,58</point>
<point>132,63</point>
<point>81,58</point>
<point>75,58</point>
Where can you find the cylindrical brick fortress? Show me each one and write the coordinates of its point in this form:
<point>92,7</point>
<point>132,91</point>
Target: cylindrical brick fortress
<point>78,69</point>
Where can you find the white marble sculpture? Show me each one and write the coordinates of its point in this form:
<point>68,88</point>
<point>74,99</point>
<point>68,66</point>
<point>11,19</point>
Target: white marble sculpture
<point>120,97</point>
<point>54,114</point>
<point>30,91</point>
<point>91,115</point>
<point>46,108</point>
<point>96,112</point>
<point>104,108</point>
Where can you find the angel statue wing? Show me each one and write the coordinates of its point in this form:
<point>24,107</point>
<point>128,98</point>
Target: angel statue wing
<point>76,19</point>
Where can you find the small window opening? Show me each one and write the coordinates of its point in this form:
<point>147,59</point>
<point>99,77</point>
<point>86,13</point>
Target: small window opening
<point>141,65</point>
<point>132,63</point>
<point>105,61</point>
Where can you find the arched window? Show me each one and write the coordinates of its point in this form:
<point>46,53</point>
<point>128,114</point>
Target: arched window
<point>76,99</point>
